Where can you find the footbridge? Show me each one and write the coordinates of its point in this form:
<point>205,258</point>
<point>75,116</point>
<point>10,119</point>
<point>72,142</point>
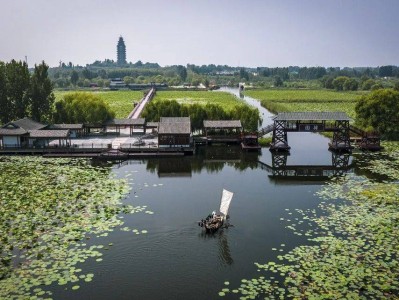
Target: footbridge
<point>335,122</point>
<point>138,109</point>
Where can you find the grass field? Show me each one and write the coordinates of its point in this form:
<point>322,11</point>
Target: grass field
<point>224,99</point>
<point>121,102</point>
<point>307,100</point>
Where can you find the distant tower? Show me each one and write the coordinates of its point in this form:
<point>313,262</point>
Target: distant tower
<point>121,52</point>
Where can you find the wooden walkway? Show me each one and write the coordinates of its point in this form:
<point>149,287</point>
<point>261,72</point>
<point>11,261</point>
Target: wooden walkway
<point>136,112</point>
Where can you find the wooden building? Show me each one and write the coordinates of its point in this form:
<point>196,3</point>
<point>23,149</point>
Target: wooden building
<point>134,125</point>
<point>223,131</point>
<point>42,138</point>
<point>174,132</point>
<point>75,130</point>
<point>15,134</point>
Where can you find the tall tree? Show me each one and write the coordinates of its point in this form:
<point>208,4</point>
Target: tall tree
<point>182,72</point>
<point>17,87</point>
<point>4,104</point>
<point>74,77</point>
<point>41,94</point>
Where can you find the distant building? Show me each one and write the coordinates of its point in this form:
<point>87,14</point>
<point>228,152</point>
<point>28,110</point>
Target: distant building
<point>121,52</point>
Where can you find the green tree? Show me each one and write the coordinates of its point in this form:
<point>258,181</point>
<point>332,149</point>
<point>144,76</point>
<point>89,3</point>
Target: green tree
<point>278,81</point>
<point>182,72</point>
<point>339,82</point>
<point>351,84</point>
<point>377,86</point>
<point>366,86</point>
<point>41,94</point>
<point>4,104</point>
<point>74,77</point>
<point>82,108</point>
<point>244,74</point>
<point>379,111</point>
<point>327,82</point>
<point>17,88</point>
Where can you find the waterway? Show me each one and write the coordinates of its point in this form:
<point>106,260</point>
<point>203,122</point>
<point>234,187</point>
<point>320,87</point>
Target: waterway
<point>175,259</point>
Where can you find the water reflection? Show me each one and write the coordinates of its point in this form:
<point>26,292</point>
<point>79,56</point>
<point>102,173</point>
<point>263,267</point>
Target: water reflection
<point>223,244</point>
<point>340,165</point>
<point>212,159</point>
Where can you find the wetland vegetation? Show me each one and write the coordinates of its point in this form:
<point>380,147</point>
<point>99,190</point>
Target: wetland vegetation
<point>353,251</point>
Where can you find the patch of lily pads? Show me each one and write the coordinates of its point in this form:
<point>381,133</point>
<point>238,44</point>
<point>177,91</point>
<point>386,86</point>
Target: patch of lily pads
<point>48,209</point>
<point>354,241</point>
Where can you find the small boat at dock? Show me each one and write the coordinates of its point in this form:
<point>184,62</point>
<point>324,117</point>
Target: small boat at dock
<point>216,220</point>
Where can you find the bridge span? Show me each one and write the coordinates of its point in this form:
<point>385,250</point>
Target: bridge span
<point>138,109</point>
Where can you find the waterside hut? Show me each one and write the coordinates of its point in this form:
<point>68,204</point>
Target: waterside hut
<point>15,134</point>
<point>174,132</point>
<point>223,131</point>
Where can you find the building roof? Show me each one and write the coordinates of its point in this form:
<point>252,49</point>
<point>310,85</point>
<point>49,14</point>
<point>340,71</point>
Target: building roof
<point>174,119</point>
<point>25,123</point>
<point>49,134</point>
<point>312,116</point>
<point>152,125</point>
<point>66,126</point>
<point>125,122</point>
<point>179,125</point>
<point>222,124</point>
<point>12,132</point>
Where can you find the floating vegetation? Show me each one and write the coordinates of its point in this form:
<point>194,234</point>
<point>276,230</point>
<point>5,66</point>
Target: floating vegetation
<point>48,208</point>
<point>354,240</point>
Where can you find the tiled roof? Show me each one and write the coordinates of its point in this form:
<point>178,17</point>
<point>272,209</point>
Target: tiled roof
<point>174,128</point>
<point>49,134</point>
<point>312,116</point>
<point>180,125</point>
<point>174,119</point>
<point>27,124</point>
<point>139,121</point>
<point>152,124</point>
<point>10,132</point>
<point>66,126</point>
<point>222,124</point>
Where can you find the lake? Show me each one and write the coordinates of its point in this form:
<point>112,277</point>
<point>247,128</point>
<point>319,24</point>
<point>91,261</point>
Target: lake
<point>175,259</point>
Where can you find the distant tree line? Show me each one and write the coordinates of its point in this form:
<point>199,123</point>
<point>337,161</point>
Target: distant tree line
<point>198,113</point>
<point>25,94</point>
<point>100,73</point>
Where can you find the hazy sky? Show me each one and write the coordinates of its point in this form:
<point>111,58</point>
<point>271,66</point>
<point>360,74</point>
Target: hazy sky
<point>234,32</point>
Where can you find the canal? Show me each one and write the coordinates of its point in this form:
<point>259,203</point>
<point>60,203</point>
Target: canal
<point>174,259</point>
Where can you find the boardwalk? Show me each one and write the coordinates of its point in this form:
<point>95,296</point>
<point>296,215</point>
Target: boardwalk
<point>136,112</point>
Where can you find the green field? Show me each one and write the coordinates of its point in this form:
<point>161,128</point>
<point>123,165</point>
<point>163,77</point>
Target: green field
<point>306,100</point>
<point>121,102</point>
<point>224,99</point>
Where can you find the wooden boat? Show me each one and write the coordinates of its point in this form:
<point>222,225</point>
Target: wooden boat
<point>216,220</point>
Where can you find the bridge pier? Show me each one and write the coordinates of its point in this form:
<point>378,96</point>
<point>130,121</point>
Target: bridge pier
<point>341,137</point>
<point>279,139</point>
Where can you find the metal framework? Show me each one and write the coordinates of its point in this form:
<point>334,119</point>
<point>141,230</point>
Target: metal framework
<point>311,122</point>
<point>279,139</point>
<point>341,137</point>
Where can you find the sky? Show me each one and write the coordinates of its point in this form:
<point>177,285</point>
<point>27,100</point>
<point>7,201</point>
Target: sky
<point>247,33</point>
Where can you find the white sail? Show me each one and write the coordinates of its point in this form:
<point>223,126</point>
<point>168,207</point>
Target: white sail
<point>225,202</point>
